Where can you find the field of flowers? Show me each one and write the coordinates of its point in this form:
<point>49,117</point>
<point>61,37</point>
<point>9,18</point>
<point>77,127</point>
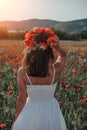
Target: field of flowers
<point>71,91</point>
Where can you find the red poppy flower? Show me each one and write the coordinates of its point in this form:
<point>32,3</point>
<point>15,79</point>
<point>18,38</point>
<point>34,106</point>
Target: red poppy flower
<point>81,102</point>
<point>2,125</point>
<point>74,75</point>
<point>30,37</point>
<point>51,33</point>
<point>9,88</point>
<point>79,84</point>
<point>10,92</point>
<point>51,41</point>
<point>84,69</point>
<point>85,98</point>
<point>78,89</point>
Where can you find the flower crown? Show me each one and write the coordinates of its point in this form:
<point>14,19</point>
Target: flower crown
<point>32,43</point>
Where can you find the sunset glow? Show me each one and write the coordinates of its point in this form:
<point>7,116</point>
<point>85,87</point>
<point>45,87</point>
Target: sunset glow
<point>12,9</point>
<point>61,10</point>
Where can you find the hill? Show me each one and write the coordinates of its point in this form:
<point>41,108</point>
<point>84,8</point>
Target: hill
<point>26,24</point>
<point>74,26</point>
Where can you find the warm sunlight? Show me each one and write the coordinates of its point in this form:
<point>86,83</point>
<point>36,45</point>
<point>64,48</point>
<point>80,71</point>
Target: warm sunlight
<point>12,9</point>
<point>6,8</point>
<point>5,5</point>
<point>43,9</point>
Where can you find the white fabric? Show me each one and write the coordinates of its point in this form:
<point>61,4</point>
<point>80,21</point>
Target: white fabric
<point>29,79</point>
<point>42,110</point>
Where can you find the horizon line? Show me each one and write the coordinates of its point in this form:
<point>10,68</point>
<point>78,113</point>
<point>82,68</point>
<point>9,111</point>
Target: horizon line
<point>42,19</point>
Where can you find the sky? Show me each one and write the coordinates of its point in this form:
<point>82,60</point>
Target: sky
<point>59,10</point>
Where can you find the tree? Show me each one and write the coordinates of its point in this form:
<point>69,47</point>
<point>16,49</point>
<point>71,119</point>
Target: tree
<point>83,34</point>
<point>3,33</point>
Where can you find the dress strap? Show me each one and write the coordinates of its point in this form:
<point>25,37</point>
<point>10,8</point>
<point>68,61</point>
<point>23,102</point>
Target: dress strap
<point>29,79</point>
<point>53,74</point>
<point>52,78</point>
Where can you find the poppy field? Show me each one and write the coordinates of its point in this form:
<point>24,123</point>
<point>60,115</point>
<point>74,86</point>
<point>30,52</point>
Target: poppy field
<point>71,91</point>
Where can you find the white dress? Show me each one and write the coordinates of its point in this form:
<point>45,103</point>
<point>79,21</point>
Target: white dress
<point>42,110</point>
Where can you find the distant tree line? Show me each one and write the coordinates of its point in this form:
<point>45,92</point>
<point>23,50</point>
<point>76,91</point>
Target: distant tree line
<point>71,36</point>
<point>18,35</point>
<point>12,35</point>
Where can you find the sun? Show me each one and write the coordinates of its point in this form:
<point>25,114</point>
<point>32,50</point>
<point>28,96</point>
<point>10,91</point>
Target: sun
<point>3,3</point>
<point>12,9</point>
<point>8,9</point>
<point>4,8</point>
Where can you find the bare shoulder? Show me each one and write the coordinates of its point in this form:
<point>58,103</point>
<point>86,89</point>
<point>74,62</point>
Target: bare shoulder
<point>21,70</point>
<point>60,63</point>
<point>22,74</point>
